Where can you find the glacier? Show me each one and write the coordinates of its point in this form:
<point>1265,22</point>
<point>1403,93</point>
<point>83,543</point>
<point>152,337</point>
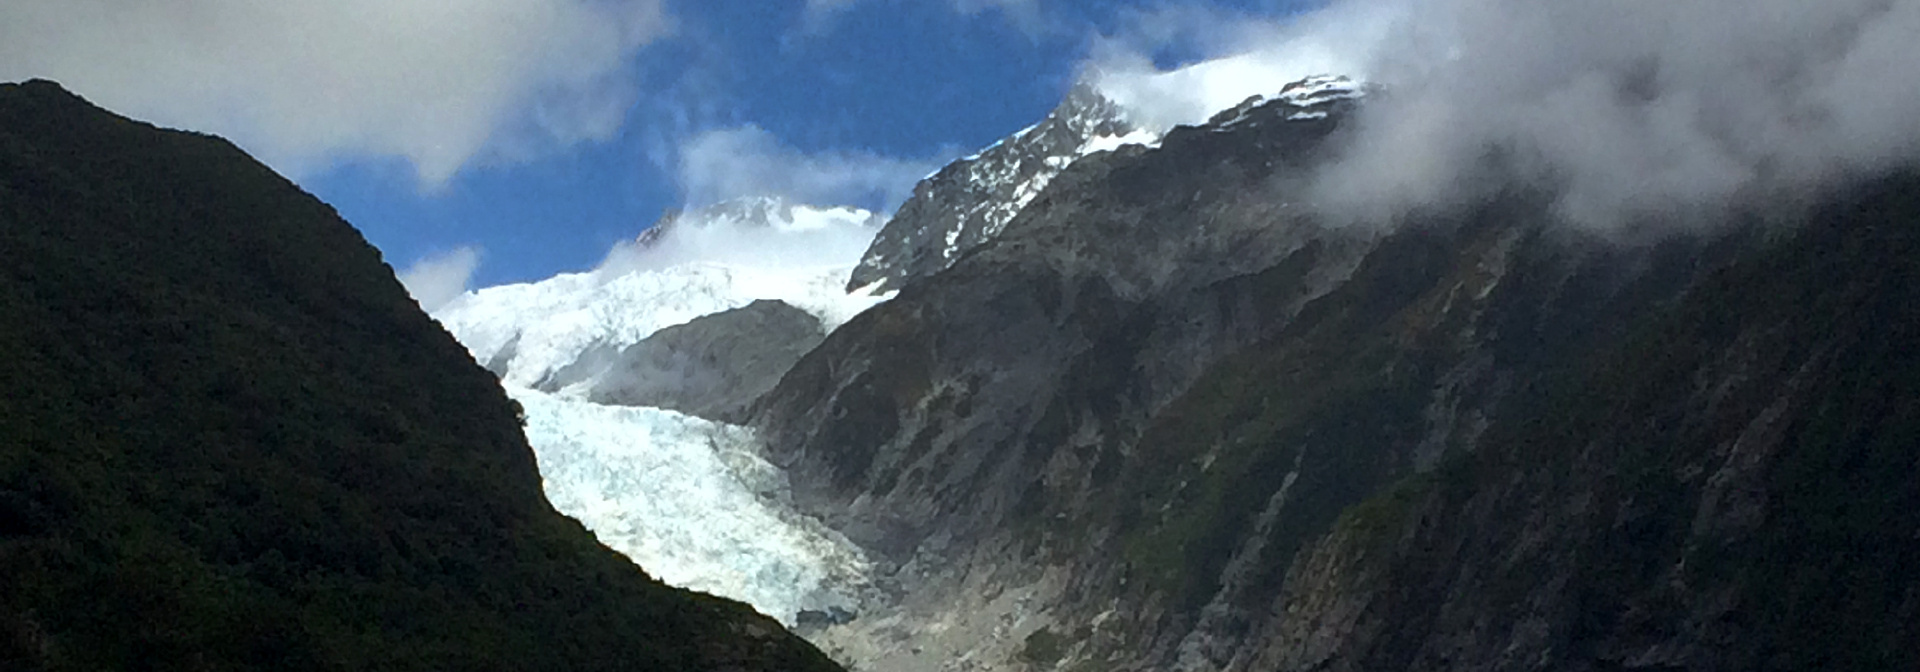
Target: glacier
<point>690,501</point>
<point>687,499</point>
<point>693,501</point>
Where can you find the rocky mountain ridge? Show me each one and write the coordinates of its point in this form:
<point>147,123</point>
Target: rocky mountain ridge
<point>1166,419</point>
<point>969,201</point>
<point>1164,416</point>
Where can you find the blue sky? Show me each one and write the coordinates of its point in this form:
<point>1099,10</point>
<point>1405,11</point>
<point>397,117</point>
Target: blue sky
<point>522,138</point>
<point>911,80</point>
<point>541,132</point>
<point>894,79</point>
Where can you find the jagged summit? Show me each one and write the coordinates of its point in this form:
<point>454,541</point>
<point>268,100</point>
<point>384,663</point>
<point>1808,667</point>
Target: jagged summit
<point>971,200</point>
<point>1309,99</point>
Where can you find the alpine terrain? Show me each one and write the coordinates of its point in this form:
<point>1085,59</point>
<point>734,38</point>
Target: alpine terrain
<point>1574,337</point>
<point>1109,396</point>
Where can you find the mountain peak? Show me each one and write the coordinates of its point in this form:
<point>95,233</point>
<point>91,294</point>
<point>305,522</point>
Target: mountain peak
<point>971,200</point>
<point>1305,100</point>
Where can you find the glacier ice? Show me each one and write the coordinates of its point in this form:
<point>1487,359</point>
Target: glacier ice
<point>690,501</point>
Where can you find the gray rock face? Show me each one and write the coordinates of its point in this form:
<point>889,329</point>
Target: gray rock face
<point>969,201</point>
<point>497,364</point>
<point>944,427</point>
<point>712,367</point>
<point>1474,442</point>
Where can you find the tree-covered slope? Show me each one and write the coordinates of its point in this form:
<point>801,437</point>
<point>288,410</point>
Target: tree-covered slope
<point>229,440</point>
<point>1734,484</point>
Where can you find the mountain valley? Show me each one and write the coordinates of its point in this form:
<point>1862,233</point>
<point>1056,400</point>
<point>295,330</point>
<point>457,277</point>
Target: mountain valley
<point>1139,405</point>
<point>1102,396</point>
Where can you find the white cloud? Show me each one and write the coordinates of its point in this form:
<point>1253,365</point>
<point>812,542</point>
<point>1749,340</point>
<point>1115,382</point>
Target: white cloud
<point>748,161</point>
<point>436,280</point>
<point>1627,110</point>
<point>763,234</point>
<point>1633,110</point>
<point>301,84</point>
<point>1239,56</point>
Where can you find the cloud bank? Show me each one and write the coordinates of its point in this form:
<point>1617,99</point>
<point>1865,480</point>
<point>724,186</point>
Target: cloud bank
<point>748,161</point>
<point>1631,110</point>
<point>1238,55</point>
<point>436,280</point>
<point>301,84</point>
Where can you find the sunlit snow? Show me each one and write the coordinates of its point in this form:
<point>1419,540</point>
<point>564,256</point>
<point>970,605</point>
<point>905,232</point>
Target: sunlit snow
<point>689,500</point>
<point>701,267</point>
<point>1107,143</point>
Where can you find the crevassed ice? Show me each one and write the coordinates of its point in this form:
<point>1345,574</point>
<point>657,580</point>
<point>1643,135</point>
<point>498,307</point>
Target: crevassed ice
<point>690,501</point>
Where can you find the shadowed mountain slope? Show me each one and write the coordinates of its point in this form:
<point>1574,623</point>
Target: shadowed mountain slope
<point>230,441</point>
<point>1731,484</point>
<point>1183,425</point>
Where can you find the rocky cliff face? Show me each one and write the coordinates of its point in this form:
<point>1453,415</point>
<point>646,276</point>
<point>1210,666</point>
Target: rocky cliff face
<point>1165,420</point>
<point>1729,484</point>
<point>713,367</point>
<point>1087,278</point>
<point>229,440</point>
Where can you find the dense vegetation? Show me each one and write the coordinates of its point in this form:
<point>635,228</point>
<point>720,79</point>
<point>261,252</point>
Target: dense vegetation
<point>228,440</point>
<point>1734,484</point>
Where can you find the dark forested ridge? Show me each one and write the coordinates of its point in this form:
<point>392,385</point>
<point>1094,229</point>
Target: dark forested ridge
<point>230,441</point>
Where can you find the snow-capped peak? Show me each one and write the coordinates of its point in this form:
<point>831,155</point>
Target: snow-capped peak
<point>972,199</point>
<point>689,264</point>
<point>1306,100</point>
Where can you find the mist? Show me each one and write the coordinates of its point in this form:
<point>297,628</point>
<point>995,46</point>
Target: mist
<point>751,200</point>
<point>436,280</point>
<point>1632,113</point>
<point>765,233</point>
<point>724,164</point>
<point>1237,56</point>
